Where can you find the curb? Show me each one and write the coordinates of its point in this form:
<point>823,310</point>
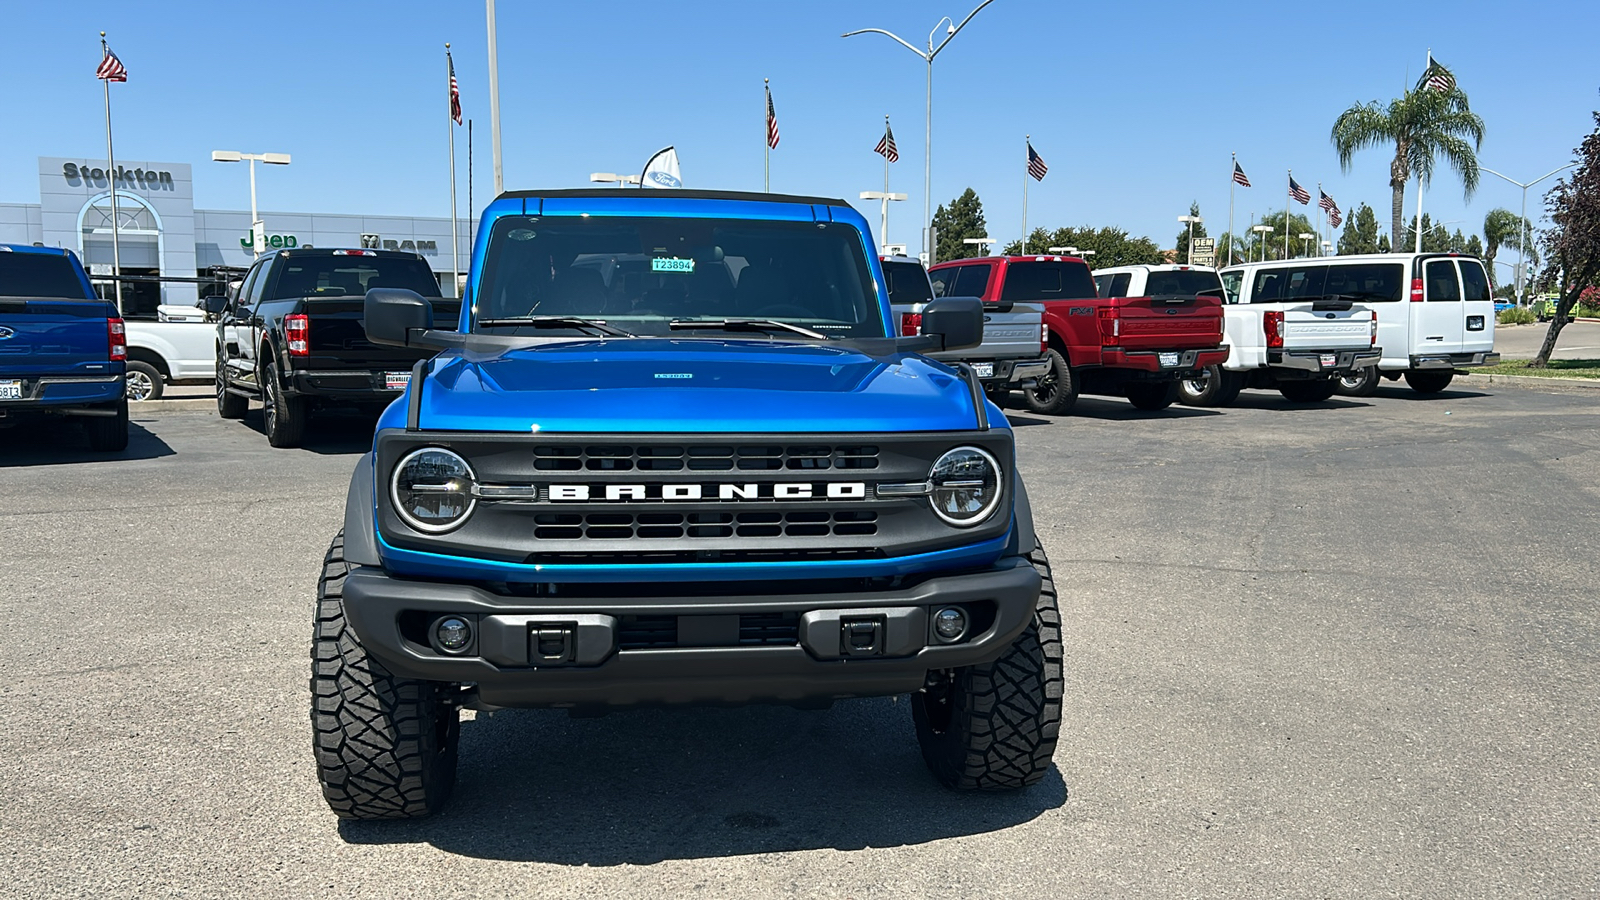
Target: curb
<point>1527,381</point>
<point>196,404</point>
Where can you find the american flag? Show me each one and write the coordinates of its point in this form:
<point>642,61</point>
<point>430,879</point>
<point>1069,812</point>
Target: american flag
<point>772,122</point>
<point>1238,175</point>
<point>1436,77</point>
<point>1036,166</point>
<point>1300,194</point>
<point>111,68</point>
<point>455,92</point>
<point>1330,207</point>
<point>886,147</point>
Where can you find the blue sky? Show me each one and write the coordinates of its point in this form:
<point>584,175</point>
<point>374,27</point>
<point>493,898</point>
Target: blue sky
<point>1135,107</point>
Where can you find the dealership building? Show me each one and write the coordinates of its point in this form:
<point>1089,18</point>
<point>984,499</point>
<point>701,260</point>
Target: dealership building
<point>161,233</point>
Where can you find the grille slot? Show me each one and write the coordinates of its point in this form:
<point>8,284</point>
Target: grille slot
<point>642,632</point>
<point>611,526</point>
<point>703,458</point>
<point>774,629</point>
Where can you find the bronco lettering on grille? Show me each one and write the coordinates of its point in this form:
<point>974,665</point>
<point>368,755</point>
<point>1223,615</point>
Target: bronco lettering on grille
<point>781,490</point>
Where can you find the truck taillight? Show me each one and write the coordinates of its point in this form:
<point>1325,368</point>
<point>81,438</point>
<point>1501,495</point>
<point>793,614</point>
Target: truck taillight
<point>117,339</point>
<point>910,324</point>
<point>297,332</point>
<point>1374,341</point>
<point>1044,337</point>
<point>1272,323</point>
<point>1110,327</point>
<point>1416,290</point>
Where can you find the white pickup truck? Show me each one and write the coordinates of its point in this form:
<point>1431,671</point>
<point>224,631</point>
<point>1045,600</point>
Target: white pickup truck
<point>180,345</point>
<point>1290,326</point>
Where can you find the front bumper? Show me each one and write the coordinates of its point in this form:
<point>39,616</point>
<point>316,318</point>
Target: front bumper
<point>1454,360</point>
<point>1312,363</point>
<point>518,658</point>
<point>1151,360</point>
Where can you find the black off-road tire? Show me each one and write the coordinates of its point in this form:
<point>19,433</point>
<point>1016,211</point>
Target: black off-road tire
<point>283,416</point>
<point>229,406</point>
<point>1429,381</point>
<point>1307,391</point>
<point>1152,396</point>
<point>1214,386</point>
<point>109,434</point>
<point>385,746</point>
<point>144,382</point>
<point>993,727</point>
<point>1362,382</point>
<point>1057,389</point>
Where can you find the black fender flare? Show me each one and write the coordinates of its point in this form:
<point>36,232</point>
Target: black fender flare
<point>1023,538</point>
<point>360,542</point>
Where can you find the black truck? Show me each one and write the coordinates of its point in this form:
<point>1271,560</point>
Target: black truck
<point>291,337</point>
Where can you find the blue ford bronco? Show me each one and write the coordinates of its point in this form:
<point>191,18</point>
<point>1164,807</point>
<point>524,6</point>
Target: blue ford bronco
<point>673,453</point>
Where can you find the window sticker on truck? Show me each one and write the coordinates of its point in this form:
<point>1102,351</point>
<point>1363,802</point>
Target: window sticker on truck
<point>671,264</point>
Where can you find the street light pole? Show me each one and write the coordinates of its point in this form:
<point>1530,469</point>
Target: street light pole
<point>257,229</point>
<point>1523,235</point>
<point>1308,237</point>
<point>883,225</point>
<point>494,101</point>
<point>927,143</point>
<point>1191,220</point>
<point>1263,230</point>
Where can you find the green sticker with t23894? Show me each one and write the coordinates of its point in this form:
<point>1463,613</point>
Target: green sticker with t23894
<point>671,264</point>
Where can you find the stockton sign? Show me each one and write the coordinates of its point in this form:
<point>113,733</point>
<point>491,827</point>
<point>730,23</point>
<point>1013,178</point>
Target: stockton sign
<point>79,175</point>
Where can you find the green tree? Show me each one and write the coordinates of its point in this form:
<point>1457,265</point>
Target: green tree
<point>1182,242</point>
<point>1435,239</point>
<point>1360,232</point>
<point>963,219</point>
<point>1422,125</point>
<point>1254,245</point>
<point>1504,228</point>
<point>1111,245</point>
<point>1475,246</point>
<point>1572,243</point>
<point>1383,243</point>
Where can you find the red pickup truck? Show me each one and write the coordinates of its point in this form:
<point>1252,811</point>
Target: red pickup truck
<point>1134,347</point>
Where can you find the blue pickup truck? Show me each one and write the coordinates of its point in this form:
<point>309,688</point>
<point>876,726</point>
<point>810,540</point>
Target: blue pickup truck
<point>674,453</point>
<point>63,351</point>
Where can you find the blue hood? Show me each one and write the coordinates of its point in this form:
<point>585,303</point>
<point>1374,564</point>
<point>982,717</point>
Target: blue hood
<point>665,385</point>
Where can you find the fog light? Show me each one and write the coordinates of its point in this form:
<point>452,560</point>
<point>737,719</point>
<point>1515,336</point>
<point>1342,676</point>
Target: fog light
<point>950,624</point>
<point>454,635</point>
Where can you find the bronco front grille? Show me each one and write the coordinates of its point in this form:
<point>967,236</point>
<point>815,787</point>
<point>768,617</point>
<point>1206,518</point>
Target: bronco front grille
<point>553,526</point>
<point>702,457</point>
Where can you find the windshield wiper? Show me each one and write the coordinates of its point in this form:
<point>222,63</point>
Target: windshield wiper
<point>745,325</point>
<point>596,325</point>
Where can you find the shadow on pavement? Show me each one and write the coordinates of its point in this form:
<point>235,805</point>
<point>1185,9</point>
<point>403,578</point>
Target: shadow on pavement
<point>1402,392</point>
<point>330,433</point>
<point>644,786</point>
<point>61,441</point>
<point>1272,400</point>
<point>1117,409</point>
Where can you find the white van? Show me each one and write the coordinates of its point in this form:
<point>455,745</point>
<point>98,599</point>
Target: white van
<point>1435,313</point>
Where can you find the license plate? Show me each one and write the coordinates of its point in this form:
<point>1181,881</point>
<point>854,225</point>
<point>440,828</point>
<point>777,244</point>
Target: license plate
<point>1168,360</point>
<point>1329,360</point>
<point>983,370</point>
<point>10,390</point>
<point>396,381</point>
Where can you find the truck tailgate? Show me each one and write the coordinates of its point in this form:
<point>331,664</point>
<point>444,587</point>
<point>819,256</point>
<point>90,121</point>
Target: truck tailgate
<point>1168,323</point>
<point>1013,334</point>
<point>339,340</point>
<point>1319,326</point>
<point>54,337</point>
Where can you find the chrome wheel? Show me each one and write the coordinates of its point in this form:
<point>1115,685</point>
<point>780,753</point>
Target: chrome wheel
<point>139,385</point>
<point>1198,383</point>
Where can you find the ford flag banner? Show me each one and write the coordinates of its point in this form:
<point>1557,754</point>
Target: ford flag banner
<point>662,171</point>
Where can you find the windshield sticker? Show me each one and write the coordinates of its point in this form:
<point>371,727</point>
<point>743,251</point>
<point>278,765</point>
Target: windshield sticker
<point>671,264</point>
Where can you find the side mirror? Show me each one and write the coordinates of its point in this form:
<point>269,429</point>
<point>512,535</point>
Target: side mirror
<point>214,305</point>
<point>956,323</point>
<point>390,315</point>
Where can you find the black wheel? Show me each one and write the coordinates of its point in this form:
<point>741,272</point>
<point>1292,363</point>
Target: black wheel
<point>1211,386</point>
<point>1429,382</point>
<point>1056,390</point>
<point>1360,383</point>
<point>993,727</point>
<point>1152,396</point>
<point>1307,391</point>
<point>144,382</point>
<point>109,433</point>
<point>229,406</point>
<point>285,417</point>
<point>385,746</point>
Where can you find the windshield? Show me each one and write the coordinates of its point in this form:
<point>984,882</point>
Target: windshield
<point>1177,281</point>
<point>326,275</point>
<point>40,275</point>
<point>641,274</point>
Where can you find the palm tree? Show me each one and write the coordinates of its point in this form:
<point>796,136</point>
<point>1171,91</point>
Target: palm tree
<point>1422,124</point>
<point>1503,228</point>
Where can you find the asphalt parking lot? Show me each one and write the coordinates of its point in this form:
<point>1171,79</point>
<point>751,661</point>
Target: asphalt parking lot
<point>1345,650</point>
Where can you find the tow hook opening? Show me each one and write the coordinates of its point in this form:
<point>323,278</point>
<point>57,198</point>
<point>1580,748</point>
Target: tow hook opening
<point>861,636</point>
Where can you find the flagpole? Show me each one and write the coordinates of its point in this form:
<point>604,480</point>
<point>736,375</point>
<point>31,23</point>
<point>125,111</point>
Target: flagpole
<point>1288,198</point>
<point>472,220</point>
<point>494,99</point>
<point>1425,69</point>
<point>766,141</point>
<point>111,172</point>
<point>883,226</point>
<point>1231,185</point>
<point>1027,139</point>
<point>455,231</point>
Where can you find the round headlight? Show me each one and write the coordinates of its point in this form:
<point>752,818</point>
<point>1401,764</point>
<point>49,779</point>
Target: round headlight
<point>966,486</point>
<point>432,490</point>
